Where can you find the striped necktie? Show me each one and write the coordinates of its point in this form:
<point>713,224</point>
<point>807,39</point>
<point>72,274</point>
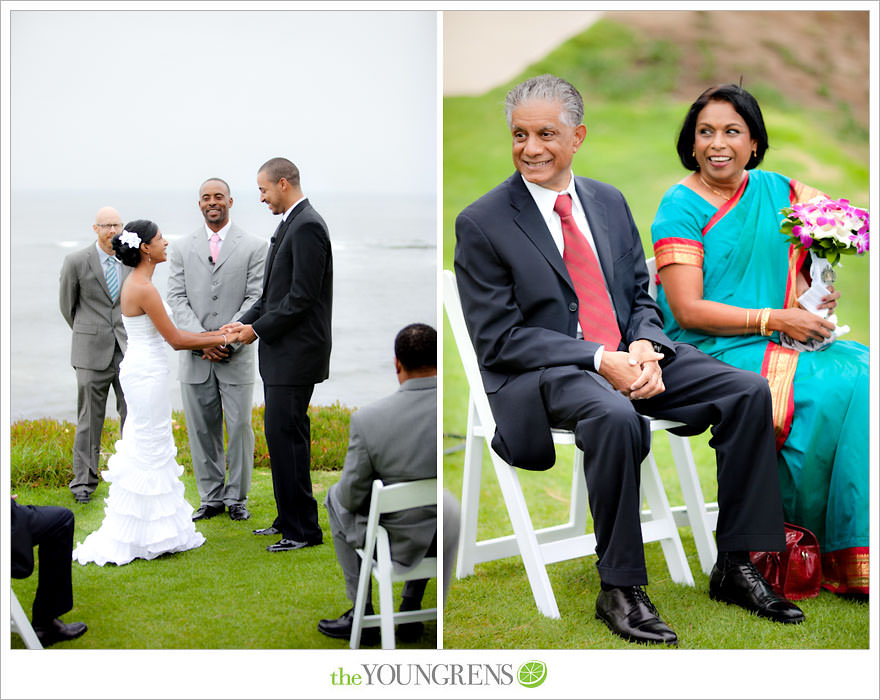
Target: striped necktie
<point>112,277</point>
<point>595,313</point>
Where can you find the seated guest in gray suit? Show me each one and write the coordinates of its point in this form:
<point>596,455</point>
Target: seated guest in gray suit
<point>89,299</point>
<point>395,440</point>
<point>51,529</point>
<point>216,274</point>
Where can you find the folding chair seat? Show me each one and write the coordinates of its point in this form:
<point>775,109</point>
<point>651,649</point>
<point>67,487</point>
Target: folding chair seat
<point>376,560</point>
<point>568,540</point>
<point>20,624</point>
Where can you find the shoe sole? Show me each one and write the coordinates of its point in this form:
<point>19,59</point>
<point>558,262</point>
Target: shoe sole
<point>756,613</point>
<point>634,640</point>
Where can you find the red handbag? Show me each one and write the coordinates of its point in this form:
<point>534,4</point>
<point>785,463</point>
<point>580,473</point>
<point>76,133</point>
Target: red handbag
<point>795,573</point>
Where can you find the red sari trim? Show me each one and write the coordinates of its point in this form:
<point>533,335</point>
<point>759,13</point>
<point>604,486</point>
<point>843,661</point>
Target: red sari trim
<point>846,570</point>
<point>685,251</point>
<point>729,204</point>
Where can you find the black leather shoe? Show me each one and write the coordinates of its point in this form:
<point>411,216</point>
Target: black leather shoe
<point>340,628</point>
<point>237,511</point>
<point>57,631</point>
<point>206,512</point>
<point>286,545</point>
<point>630,614</point>
<point>81,497</point>
<point>267,531</point>
<point>743,585</point>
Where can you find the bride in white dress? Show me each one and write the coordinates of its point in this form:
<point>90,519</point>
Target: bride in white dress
<point>145,513</point>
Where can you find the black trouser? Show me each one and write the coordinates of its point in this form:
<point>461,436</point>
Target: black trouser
<point>288,436</point>
<point>700,392</point>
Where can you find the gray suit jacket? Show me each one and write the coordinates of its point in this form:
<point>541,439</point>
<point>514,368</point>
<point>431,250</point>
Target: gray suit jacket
<point>86,306</point>
<point>204,296</point>
<point>393,439</point>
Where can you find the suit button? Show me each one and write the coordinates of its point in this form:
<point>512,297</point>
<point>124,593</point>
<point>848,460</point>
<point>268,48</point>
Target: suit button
<point>573,306</point>
<point>214,297</point>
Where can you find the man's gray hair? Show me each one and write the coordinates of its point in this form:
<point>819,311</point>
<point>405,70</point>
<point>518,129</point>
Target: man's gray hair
<point>552,89</point>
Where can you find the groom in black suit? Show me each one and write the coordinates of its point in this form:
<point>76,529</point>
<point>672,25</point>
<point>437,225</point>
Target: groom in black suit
<point>554,287</point>
<point>292,321</point>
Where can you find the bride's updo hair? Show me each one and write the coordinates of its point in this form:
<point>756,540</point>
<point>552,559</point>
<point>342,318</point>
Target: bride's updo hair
<point>127,250</point>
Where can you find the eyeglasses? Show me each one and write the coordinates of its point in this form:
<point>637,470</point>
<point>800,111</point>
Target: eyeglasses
<point>119,225</point>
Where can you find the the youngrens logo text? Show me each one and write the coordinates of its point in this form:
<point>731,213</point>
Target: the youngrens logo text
<point>530,674</point>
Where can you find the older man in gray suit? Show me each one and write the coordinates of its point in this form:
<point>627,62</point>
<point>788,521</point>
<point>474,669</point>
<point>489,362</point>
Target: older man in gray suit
<point>395,440</point>
<point>89,299</point>
<point>215,274</point>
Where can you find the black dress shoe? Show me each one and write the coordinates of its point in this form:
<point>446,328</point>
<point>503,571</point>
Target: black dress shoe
<point>81,497</point>
<point>286,545</point>
<point>340,628</point>
<point>237,511</point>
<point>630,614</point>
<point>57,631</point>
<point>743,585</point>
<point>267,531</point>
<point>205,512</point>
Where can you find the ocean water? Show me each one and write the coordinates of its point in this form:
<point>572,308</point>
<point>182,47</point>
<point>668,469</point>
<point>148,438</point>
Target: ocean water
<point>384,256</point>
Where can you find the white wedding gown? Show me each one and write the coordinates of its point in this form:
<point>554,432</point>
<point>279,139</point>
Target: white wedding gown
<point>145,513</point>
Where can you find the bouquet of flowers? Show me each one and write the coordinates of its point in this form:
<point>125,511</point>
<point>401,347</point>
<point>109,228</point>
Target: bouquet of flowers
<point>828,228</point>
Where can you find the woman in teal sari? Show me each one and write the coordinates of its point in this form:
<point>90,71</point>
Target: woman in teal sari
<point>729,283</point>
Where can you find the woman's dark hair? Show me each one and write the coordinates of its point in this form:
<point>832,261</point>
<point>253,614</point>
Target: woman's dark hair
<point>146,231</point>
<point>744,104</point>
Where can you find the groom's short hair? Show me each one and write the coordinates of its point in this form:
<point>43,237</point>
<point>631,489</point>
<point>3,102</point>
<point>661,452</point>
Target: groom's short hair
<point>277,168</point>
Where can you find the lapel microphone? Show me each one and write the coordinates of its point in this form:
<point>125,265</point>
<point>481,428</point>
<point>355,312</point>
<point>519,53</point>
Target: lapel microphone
<point>211,259</point>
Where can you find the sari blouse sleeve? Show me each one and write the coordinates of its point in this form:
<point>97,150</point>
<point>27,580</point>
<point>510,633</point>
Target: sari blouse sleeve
<point>677,231</point>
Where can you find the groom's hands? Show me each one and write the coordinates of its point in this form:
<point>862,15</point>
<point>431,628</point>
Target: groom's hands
<point>245,332</point>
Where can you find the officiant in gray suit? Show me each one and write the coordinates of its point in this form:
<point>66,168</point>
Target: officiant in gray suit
<point>90,282</point>
<point>215,274</point>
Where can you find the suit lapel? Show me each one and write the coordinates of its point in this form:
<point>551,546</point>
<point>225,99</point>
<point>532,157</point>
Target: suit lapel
<point>529,220</point>
<point>597,218</point>
<point>233,236</point>
<point>98,271</point>
<point>201,250</point>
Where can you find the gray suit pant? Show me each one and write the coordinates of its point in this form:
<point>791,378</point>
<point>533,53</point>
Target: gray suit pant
<point>205,406</point>
<point>347,538</point>
<point>92,390</point>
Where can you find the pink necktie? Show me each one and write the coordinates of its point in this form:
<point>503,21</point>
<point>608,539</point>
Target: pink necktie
<point>215,246</point>
<point>595,313</point>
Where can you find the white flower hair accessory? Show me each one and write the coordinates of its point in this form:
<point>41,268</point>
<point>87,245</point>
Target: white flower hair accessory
<point>130,238</point>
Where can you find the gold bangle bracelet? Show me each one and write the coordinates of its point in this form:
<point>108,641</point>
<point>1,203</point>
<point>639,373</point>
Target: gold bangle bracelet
<point>748,314</point>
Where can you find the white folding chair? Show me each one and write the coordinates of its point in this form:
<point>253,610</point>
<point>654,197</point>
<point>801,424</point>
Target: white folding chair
<point>20,623</point>
<point>551,544</point>
<point>388,499</point>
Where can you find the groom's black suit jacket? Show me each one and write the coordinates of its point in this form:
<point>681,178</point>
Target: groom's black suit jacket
<point>521,307</point>
<point>292,317</point>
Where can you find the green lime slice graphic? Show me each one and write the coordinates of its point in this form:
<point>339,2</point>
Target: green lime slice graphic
<point>532,673</point>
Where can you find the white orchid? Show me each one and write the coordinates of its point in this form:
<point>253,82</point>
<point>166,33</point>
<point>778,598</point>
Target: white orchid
<point>130,238</point>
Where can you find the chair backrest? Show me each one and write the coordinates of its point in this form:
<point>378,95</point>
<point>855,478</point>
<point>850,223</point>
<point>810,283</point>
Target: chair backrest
<point>452,304</point>
<point>652,277</point>
<point>409,494</point>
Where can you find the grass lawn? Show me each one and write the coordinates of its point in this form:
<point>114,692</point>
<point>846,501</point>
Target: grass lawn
<point>227,594</point>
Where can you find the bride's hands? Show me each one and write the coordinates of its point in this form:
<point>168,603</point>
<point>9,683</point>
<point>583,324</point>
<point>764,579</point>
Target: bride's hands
<point>232,336</point>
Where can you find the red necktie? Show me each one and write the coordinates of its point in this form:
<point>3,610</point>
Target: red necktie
<point>595,313</point>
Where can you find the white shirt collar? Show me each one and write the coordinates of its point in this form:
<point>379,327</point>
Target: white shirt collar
<point>103,257</point>
<point>545,198</point>
<point>222,232</point>
<point>292,207</point>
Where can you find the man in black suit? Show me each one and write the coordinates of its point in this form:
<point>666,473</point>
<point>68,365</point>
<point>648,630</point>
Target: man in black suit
<point>570,339</point>
<point>51,529</point>
<point>292,321</point>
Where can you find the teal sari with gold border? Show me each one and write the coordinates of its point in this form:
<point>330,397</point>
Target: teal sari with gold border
<point>820,399</point>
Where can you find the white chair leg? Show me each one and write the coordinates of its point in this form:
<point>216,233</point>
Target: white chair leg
<point>21,624</point>
<point>470,497</point>
<point>386,595</point>
<point>662,517</point>
<point>530,552</point>
<point>701,520</point>
<point>360,602</point>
